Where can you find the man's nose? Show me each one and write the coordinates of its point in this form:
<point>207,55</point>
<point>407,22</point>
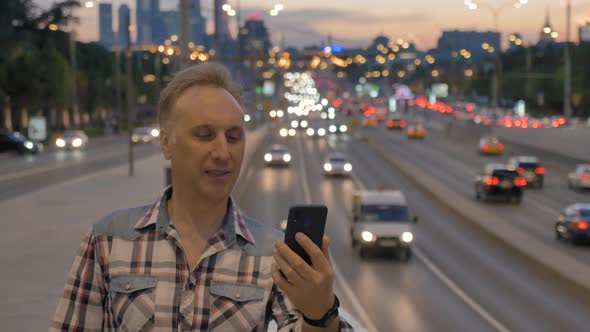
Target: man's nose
<point>220,149</point>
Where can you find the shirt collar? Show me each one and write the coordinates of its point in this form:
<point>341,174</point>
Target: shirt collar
<point>233,222</point>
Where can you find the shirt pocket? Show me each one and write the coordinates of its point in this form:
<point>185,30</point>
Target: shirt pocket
<point>236,307</point>
<point>134,301</point>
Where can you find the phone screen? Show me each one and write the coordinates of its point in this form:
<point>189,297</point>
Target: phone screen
<point>307,219</point>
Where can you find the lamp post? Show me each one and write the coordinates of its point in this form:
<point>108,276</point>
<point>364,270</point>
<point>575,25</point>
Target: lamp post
<point>496,11</point>
<point>567,84</point>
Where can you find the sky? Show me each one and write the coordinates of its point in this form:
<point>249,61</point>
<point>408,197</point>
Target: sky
<point>354,23</point>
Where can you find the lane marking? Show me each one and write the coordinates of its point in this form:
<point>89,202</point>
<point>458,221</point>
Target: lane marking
<point>484,314</point>
<point>362,314</point>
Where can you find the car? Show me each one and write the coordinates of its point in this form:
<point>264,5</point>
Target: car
<point>72,139</point>
<point>144,135</point>
<point>277,155</point>
<point>396,122</point>
<point>315,131</point>
<point>370,122</point>
<point>490,145</point>
<point>499,181</point>
<point>338,128</point>
<point>573,223</point>
<point>580,178</point>
<point>337,164</point>
<point>529,167</point>
<point>290,132</point>
<point>14,141</point>
<point>416,131</point>
<point>382,222</point>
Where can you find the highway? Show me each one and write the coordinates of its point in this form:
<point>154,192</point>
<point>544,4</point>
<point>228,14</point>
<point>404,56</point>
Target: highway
<point>459,279</point>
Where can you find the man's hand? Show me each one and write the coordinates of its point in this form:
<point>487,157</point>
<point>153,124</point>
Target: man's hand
<point>309,288</point>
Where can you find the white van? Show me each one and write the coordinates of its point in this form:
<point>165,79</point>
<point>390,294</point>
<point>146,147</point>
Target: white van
<point>382,221</point>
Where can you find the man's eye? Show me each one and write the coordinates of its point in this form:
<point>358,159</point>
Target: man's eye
<point>204,135</point>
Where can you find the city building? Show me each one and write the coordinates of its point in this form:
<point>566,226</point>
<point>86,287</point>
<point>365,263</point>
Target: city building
<point>122,33</point>
<point>221,22</point>
<point>478,45</point>
<point>170,26</point>
<point>198,24</point>
<point>105,24</point>
<point>254,39</point>
<point>584,33</point>
<point>148,20</point>
<point>547,35</point>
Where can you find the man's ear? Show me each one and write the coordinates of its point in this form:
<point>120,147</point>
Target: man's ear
<point>167,142</point>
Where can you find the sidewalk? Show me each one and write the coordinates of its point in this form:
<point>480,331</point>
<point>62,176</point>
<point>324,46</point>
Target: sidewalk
<point>43,229</point>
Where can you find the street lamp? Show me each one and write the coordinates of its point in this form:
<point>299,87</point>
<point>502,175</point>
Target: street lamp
<point>496,11</point>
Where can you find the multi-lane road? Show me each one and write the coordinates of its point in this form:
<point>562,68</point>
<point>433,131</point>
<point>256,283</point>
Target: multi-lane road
<point>460,278</point>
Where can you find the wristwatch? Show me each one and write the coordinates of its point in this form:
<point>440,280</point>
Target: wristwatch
<point>328,317</point>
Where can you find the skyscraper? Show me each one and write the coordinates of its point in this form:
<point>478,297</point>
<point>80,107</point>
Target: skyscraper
<point>254,40</point>
<point>124,17</point>
<point>105,24</point>
<point>221,32</point>
<point>547,35</point>
<point>148,20</point>
<point>584,32</point>
<point>197,23</point>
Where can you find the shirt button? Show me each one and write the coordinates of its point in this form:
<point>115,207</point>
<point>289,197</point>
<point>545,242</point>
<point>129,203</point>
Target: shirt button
<point>238,295</point>
<point>127,287</point>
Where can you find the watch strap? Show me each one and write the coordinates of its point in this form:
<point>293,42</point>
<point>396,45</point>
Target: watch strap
<point>327,318</point>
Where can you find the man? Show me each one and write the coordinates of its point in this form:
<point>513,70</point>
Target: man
<point>191,260</point>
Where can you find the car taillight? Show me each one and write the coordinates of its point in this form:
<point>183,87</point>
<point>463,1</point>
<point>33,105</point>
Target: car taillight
<point>390,124</point>
<point>485,147</point>
<point>492,181</point>
<point>582,225</point>
<point>500,146</point>
<point>540,170</point>
<point>402,123</point>
<point>585,176</point>
<point>520,182</point>
<point>520,170</point>
<point>411,131</point>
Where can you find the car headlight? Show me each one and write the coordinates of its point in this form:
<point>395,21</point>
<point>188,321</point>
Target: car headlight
<point>283,132</point>
<point>348,167</point>
<point>145,139</point>
<point>60,143</point>
<point>333,128</point>
<point>407,237</point>
<point>310,131</point>
<point>155,132</point>
<point>327,167</point>
<point>287,157</point>
<point>135,138</point>
<point>292,132</point>
<point>303,124</point>
<point>322,132</point>
<point>29,145</point>
<point>368,236</point>
<point>77,143</point>
<point>268,157</point>
<point>294,124</point>
<point>343,128</point>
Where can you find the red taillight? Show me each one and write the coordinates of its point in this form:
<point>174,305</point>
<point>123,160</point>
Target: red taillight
<point>411,132</point>
<point>585,176</point>
<point>540,170</point>
<point>520,182</point>
<point>500,146</point>
<point>583,225</point>
<point>520,170</point>
<point>402,123</point>
<point>390,123</point>
<point>485,147</point>
<point>492,181</point>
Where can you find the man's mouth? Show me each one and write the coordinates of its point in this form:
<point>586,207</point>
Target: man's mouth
<point>217,172</point>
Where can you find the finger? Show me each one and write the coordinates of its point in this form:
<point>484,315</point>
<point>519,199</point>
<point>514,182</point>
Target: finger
<point>280,281</point>
<point>326,249</point>
<point>296,262</point>
<point>318,260</point>
<point>292,276</point>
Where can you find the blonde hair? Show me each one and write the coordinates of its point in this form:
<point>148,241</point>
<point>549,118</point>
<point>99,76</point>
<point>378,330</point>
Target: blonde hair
<point>206,74</point>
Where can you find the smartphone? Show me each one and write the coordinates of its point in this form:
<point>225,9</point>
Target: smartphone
<point>309,219</point>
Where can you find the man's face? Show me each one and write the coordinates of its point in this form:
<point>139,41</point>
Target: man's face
<point>205,141</point>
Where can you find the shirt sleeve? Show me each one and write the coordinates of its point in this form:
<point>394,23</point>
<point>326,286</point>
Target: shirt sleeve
<point>286,316</point>
<point>81,306</point>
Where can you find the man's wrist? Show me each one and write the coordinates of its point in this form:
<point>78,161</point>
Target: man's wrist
<point>319,313</point>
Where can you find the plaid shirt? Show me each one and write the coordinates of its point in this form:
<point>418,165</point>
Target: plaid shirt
<point>131,274</point>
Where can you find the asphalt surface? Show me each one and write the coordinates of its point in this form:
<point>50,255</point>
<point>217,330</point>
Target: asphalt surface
<point>455,161</point>
<point>459,279</point>
<point>503,292</point>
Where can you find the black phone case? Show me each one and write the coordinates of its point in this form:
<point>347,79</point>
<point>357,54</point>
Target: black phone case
<point>309,219</point>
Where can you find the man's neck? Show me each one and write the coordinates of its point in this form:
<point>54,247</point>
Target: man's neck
<point>199,217</point>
